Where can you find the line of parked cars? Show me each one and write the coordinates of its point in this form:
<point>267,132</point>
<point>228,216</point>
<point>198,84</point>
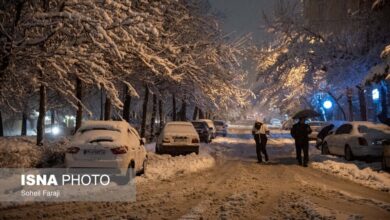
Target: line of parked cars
<point>118,146</point>
<point>357,139</point>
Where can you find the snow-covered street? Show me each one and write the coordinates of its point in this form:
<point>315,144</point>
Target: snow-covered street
<point>224,182</point>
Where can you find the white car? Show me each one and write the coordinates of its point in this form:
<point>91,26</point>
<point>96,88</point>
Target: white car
<point>178,138</point>
<point>107,144</point>
<point>357,139</point>
<point>316,127</point>
<point>275,123</point>
<point>212,127</point>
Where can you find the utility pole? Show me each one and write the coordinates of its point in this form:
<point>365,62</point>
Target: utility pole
<point>362,103</point>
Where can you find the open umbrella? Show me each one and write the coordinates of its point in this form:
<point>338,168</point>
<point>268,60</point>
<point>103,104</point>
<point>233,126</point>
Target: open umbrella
<point>306,113</point>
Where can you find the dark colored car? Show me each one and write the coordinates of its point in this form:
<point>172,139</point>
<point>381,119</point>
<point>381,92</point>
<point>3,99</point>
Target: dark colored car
<point>203,131</point>
<point>221,127</point>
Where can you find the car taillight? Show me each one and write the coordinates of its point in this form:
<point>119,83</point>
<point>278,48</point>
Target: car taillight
<point>119,150</point>
<point>195,141</point>
<point>72,150</point>
<point>363,141</point>
<point>166,140</point>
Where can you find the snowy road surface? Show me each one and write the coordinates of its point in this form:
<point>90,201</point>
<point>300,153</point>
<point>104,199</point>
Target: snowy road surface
<point>232,186</point>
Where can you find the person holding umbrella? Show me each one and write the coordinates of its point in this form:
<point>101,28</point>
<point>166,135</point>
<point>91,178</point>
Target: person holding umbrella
<point>300,132</point>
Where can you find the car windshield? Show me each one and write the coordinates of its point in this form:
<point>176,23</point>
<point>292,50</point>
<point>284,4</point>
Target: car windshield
<point>219,123</point>
<point>98,129</point>
<point>198,124</point>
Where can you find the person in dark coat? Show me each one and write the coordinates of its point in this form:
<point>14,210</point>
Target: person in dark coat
<point>300,132</point>
<point>260,131</point>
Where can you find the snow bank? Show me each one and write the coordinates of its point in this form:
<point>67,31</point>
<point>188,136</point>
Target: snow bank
<point>21,152</point>
<point>161,167</point>
<point>367,174</point>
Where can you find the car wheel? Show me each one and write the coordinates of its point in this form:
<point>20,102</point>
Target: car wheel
<point>384,163</point>
<point>208,140</point>
<point>156,150</point>
<point>130,174</point>
<point>348,153</point>
<point>144,167</point>
<point>325,149</point>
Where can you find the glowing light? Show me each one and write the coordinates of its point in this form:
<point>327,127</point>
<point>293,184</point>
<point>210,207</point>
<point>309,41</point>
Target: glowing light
<point>328,104</point>
<point>55,130</point>
<point>375,94</point>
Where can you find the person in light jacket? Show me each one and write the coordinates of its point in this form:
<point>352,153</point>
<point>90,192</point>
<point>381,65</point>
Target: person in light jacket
<point>260,132</point>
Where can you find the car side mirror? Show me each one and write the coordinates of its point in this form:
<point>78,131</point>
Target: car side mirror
<point>142,141</point>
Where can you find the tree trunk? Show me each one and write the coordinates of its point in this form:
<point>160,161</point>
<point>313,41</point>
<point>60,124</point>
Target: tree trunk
<point>201,114</point>
<point>41,116</point>
<point>126,104</point>
<point>153,119</point>
<point>101,104</point>
<point>24,124</point>
<point>362,103</point>
<point>173,108</point>
<point>195,115</point>
<point>107,109</point>
<point>52,117</point>
<point>1,126</point>
<point>183,111</point>
<point>160,112</point>
<point>79,96</point>
<point>144,111</point>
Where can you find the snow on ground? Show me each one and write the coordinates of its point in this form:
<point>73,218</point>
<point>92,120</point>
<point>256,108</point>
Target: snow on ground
<point>368,174</point>
<point>21,152</point>
<point>241,146</point>
<point>161,167</point>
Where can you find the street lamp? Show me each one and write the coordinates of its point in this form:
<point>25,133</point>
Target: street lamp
<point>375,94</point>
<point>55,130</point>
<point>327,104</point>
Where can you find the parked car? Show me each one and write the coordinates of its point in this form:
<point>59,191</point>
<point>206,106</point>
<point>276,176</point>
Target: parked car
<point>316,127</point>
<point>203,131</point>
<point>327,130</point>
<point>386,155</point>
<point>221,127</point>
<point>357,139</point>
<point>107,144</point>
<point>212,127</point>
<point>178,138</point>
<point>275,123</point>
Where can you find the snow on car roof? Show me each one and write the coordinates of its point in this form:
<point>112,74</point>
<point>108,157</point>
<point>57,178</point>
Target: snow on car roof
<point>369,124</point>
<point>110,131</point>
<point>106,125</point>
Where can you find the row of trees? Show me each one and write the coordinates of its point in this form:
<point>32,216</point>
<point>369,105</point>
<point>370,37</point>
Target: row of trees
<point>305,60</point>
<point>56,51</point>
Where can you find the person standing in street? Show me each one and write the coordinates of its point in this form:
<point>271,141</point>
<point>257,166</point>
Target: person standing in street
<point>260,132</point>
<point>300,132</point>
